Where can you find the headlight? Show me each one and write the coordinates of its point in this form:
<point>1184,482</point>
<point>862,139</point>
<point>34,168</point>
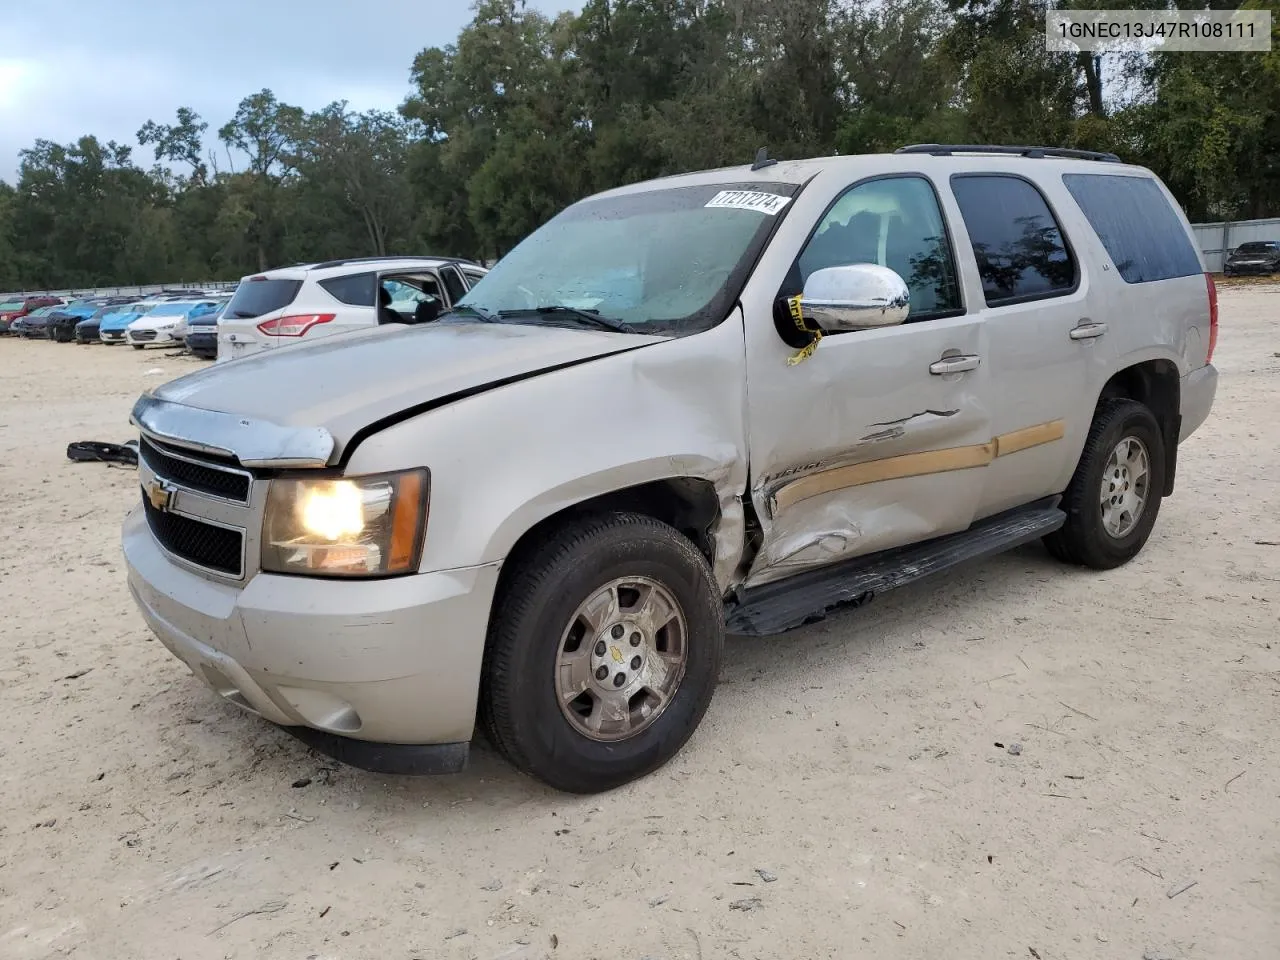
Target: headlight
<point>354,527</point>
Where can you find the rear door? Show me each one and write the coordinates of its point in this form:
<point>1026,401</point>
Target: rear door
<point>1046,355</point>
<point>257,300</point>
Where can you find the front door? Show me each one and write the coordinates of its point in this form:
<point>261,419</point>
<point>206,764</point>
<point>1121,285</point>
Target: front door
<point>879,438</point>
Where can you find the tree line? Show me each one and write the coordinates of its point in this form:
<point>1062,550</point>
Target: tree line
<point>525,113</point>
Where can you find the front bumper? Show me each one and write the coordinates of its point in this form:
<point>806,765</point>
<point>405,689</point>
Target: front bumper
<point>146,338</point>
<point>1199,388</point>
<point>363,663</point>
<point>203,342</point>
<point>1239,269</point>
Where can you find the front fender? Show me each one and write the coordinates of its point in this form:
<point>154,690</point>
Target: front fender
<point>504,460</point>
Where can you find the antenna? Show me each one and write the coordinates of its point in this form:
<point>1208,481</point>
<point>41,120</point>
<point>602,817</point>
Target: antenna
<point>762,159</point>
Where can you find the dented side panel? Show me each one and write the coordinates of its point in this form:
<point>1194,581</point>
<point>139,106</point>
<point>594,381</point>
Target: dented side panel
<point>505,459</point>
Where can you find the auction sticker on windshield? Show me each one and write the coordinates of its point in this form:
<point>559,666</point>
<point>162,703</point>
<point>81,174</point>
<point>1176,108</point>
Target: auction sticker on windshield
<point>769,203</point>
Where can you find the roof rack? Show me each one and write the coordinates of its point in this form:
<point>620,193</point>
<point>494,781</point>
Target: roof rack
<point>346,261</point>
<point>1036,153</point>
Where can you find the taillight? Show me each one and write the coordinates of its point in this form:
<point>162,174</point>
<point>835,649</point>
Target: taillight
<point>295,326</point>
<point>1213,316</point>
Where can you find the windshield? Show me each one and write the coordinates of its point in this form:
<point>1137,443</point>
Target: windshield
<point>667,261</point>
<point>1259,247</point>
<point>171,309</point>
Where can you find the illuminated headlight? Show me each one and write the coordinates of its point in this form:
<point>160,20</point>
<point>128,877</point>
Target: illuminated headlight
<point>353,527</point>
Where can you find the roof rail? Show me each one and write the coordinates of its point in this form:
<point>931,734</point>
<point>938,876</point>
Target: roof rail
<point>1037,153</point>
<point>354,260</point>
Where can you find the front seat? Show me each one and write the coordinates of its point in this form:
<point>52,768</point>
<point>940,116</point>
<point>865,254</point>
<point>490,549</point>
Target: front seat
<point>385,313</point>
<point>426,310</point>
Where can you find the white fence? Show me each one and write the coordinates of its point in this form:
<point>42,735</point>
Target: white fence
<point>1217,240</point>
<point>127,291</point>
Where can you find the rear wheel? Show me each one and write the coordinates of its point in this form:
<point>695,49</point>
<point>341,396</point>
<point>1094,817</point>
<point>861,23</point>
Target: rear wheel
<point>139,346</point>
<point>603,655</point>
<point>1114,496</point>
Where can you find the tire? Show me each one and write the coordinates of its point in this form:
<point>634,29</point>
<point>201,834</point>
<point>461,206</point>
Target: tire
<point>1085,540</point>
<point>535,617</point>
<point>138,346</point>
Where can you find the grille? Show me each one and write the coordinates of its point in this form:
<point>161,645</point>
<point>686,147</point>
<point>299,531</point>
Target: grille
<point>196,476</point>
<point>200,543</point>
<point>144,334</point>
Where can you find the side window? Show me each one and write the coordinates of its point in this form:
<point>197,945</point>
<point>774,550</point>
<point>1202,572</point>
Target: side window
<point>1141,233</point>
<point>1017,242</point>
<point>897,223</point>
<point>473,277</point>
<point>453,283</point>
<point>357,290</point>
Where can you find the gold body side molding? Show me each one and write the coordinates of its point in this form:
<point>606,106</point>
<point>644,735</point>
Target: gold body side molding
<point>917,464</point>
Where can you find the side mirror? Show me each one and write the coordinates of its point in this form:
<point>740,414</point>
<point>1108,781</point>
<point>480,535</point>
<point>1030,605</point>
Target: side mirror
<point>857,296</point>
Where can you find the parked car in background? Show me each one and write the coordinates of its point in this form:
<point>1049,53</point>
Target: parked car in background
<point>37,325</point>
<point>1258,256</point>
<point>87,330</point>
<point>184,325</point>
<point>160,324</point>
<point>111,327</point>
<point>63,322</point>
<point>35,319</point>
<point>202,333</point>
<point>308,301</point>
<point>15,307</point>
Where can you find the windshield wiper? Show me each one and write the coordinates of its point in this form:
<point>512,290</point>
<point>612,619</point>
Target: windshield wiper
<point>590,317</point>
<point>464,309</point>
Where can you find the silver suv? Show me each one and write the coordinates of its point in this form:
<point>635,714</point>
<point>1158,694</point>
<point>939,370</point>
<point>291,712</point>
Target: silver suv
<point>726,402</point>
<point>315,300</point>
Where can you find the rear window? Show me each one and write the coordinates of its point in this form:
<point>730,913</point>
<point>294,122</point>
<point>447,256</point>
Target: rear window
<point>358,290</point>
<point>255,297</point>
<point>10,305</point>
<point>1138,228</point>
<point>1017,242</point>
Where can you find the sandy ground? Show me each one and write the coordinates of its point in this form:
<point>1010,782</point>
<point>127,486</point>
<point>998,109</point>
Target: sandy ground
<point>858,761</point>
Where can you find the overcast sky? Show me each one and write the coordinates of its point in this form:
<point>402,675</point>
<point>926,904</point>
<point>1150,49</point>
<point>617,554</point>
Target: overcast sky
<point>73,67</point>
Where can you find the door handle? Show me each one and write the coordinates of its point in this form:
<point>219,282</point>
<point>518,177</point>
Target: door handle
<point>940,368</point>
<point>1087,330</point>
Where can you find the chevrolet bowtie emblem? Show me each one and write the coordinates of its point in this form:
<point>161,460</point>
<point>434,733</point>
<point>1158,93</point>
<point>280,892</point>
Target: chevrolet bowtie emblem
<point>159,494</point>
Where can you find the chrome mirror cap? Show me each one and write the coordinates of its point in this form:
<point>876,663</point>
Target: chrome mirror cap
<point>856,296</point>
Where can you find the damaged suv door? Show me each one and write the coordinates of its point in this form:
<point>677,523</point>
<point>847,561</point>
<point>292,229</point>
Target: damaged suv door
<point>863,444</point>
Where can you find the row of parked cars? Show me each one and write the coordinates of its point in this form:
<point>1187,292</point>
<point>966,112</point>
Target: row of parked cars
<point>171,318</point>
<point>287,305</point>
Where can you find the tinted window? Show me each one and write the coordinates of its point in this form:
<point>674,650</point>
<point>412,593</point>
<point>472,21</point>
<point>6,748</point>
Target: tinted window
<point>253,298</point>
<point>453,283</point>
<point>1139,229</point>
<point>359,290</point>
<point>1256,247</point>
<point>895,223</point>
<point>1016,240</point>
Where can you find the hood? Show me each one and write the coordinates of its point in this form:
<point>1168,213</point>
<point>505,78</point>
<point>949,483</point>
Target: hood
<point>347,381</point>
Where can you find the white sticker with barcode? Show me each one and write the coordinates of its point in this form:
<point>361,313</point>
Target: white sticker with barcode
<point>768,203</point>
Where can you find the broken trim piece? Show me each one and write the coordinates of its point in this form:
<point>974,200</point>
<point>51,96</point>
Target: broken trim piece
<point>917,464</point>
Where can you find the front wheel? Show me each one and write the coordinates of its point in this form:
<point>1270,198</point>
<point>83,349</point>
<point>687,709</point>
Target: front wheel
<point>1115,494</point>
<point>138,346</point>
<point>603,653</point>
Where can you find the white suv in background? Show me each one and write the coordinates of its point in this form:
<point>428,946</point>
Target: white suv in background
<point>308,301</point>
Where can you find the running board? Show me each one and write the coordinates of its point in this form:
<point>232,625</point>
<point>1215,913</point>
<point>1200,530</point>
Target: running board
<point>808,597</point>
